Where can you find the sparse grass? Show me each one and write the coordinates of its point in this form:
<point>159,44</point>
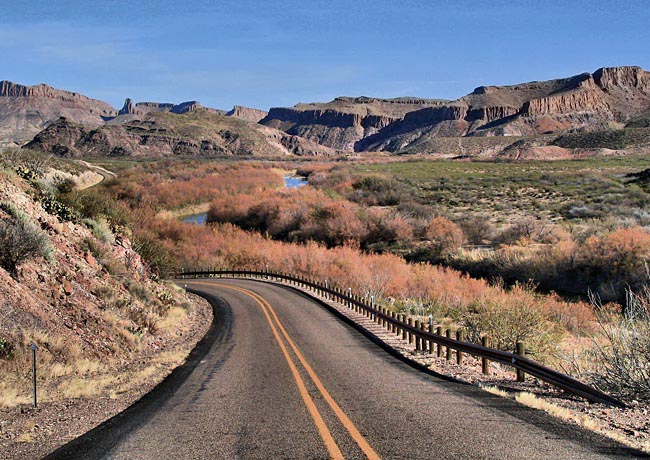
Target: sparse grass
<point>494,390</point>
<point>85,387</point>
<point>12,395</point>
<point>175,316</point>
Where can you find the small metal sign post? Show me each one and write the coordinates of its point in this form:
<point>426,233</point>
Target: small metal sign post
<point>34,371</point>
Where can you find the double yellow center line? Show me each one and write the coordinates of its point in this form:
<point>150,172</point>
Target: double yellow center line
<point>324,432</point>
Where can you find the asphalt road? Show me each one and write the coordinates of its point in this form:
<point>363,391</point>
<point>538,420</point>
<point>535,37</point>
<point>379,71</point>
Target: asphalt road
<point>280,377</point>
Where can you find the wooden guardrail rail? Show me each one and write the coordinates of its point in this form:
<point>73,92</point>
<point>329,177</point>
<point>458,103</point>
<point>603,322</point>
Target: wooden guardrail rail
<point>414,332</point>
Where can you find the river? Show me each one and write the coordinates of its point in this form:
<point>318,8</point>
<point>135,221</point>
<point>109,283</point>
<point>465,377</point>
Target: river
<point>289,182</point>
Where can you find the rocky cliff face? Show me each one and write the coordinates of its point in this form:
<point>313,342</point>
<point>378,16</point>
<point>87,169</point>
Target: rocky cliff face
<point>343,122</point>
<point>587,101</point>
<point>247,113</point>
<point>161,134</point>
<point>26,110</point>
<point>143,108</point>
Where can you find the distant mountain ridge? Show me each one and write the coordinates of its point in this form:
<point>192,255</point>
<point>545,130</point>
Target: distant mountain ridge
<point>26,110</point>
<point>483,122</point>
<point>607,97</point>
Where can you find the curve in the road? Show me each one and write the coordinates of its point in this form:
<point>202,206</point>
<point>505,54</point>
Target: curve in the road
<point>345,420</point>
<point>239,398</point>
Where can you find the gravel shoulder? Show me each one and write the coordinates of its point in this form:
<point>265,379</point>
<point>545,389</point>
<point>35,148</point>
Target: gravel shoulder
<point>27,433</point>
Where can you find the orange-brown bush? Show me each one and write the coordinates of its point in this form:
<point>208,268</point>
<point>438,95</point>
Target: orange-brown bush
<point>170,186</point>
<point>307,216</point>
<point>607,264</point>
<point>445,236</point>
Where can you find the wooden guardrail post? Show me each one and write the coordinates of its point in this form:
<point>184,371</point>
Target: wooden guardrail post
<point>485,364</point>
<point>459,354</point>
<point>403,319</point>
<point>439,348</point>
<point>448,334</point>
<point>423,343</point>
<point>431,343</point>
<point>521,351</point>
<point>410,335</point>
<point>418,347</point>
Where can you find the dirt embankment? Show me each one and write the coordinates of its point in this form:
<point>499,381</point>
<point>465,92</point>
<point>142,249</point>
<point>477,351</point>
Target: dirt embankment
<point>106,329</point>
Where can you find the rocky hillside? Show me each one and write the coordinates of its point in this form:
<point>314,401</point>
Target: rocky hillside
<point>198,132</point>
<point>26,110</point>
<point>74,285</point>
<point>607,98</point>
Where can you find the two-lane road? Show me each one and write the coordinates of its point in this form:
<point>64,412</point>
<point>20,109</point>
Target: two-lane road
<point>280,377</point>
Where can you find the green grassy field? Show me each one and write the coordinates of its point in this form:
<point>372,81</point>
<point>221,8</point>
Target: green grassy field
<point>576,189</point>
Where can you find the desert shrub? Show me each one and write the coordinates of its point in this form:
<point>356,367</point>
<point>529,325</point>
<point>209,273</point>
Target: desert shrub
<point>55,207</point>
<point>616,260</point>
<point>144,321</point>
<point>7,349</point>
<point>477,230</point>
<point>28,164</point>
<point>445,236</point>
<point>104,293</point>
<point>506,322</point>
<point>526,231</point>
<point>100,229</point>
<point>91,204</point>
<point>622,361</point>
<point>376,191</point>
<point>138,291</point>
<point>413,209</point>
<point>21,240</point>
<point>154,253</point>
<point>383,228</point>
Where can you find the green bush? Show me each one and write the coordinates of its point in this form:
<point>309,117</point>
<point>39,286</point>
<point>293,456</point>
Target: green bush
<point>20,240</point>
<point>505,324</point>
<point>7,349</point>
<point>55,207</point>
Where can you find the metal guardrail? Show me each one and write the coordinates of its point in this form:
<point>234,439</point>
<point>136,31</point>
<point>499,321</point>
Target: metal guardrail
<point>519,362</point>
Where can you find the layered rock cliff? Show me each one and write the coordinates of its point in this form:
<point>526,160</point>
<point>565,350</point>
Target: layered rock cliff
<point>341,123</point>
<point>26,110</point>
<point>143,108</point>
<point>586,101</point>
<point>247,113</point>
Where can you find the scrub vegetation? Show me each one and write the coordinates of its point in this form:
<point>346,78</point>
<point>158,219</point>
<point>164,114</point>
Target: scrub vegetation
<point>399,231</point>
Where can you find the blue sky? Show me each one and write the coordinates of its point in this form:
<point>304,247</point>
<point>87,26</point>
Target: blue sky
<point>278,53</point>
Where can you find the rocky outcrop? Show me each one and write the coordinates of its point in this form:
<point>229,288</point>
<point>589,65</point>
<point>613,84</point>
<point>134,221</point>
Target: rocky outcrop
<point>570,102</point>
<point>162,134</point>
<point>26,110</point>
<point>247,113</point>
<point>185,107</point>
<point>585,101</point>
<point>609,78</point>
<point>143,108</point>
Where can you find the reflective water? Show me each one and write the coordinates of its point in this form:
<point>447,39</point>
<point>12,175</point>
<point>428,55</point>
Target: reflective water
<point>289,182</point>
